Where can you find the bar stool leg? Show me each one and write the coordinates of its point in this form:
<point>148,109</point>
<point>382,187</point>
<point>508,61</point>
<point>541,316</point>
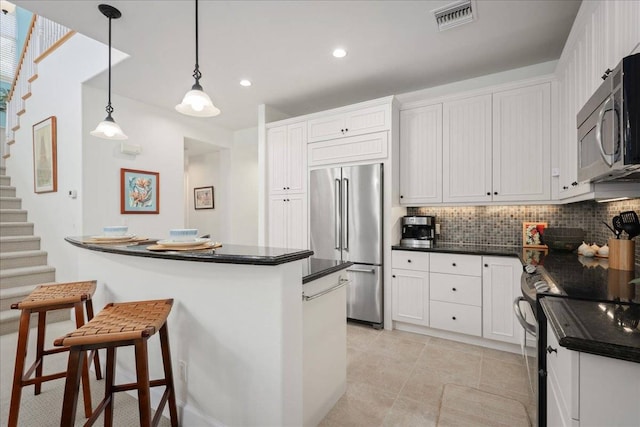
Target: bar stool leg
<point>108,386</point>
<point>42,323</point>
<point>86,386</point>
<point>18,371</point>
<point>96,358</point>
<point>142,370</point>
<point>75,366</point>
<point>168,374</point>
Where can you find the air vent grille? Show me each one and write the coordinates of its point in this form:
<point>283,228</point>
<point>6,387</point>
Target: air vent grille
<point>455,14</point>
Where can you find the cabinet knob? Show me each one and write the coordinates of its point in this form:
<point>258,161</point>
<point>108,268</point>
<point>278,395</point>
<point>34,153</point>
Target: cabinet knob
<point>401,196</point>
<point>393,275</point>
<point>454,264</point>
<point>284,188</point>
<point>408,260</point>
<point>486,265</point>
<point>454,317</point>
<point>453,289</point>
<point>574,184</point>
<point>346,130</point>
<point>495,193</point>
<point>551,350</point>
<point>288,188</point>
<point>342,130</point>
<point>564,187</point>
<point>488,193</point>
<point>606,74</point>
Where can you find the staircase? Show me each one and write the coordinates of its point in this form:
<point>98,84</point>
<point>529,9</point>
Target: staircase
<point>22,264</point>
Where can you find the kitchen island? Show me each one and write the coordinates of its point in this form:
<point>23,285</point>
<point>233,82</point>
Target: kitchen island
<point>236,328</point>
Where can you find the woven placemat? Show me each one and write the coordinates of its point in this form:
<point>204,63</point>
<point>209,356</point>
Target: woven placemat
<point>207,245</point>
<point>135,240</point>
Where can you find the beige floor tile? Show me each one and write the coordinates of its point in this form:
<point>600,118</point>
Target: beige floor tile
<point>458,364</point>
<point>396,347</point>
<point>426,386</point>
<point>408,335</point>
<point>454,345</point>
<point>410,413</point>
<point>378,371</point>
<point>360,337</point>
<point>361,405</point>
<point>505,379</point>
<point>505,356</point>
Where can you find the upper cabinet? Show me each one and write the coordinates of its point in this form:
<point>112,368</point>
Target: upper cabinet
<point>287,154</point>
<point>466,150</point>
<point>351,123</point>
<point>522,144</point>
<point>421,155</point>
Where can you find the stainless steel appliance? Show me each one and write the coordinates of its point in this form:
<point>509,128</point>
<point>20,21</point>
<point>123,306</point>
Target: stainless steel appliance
<point>609,127</point>
<point>418,231</point>
<point>346,224</point>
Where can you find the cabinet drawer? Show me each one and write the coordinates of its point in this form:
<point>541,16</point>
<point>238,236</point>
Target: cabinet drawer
<point>455,288</point>
<point>468,265</point>
<point>357,148</point>
<point>410,260</point>
<point>465,319</point>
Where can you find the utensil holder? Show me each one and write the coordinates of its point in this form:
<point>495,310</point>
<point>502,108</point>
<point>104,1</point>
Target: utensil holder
<point>622,254</point>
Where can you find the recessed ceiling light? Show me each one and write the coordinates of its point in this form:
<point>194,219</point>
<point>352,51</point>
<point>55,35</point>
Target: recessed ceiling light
<point>339,53</point>
<point>245,83</point>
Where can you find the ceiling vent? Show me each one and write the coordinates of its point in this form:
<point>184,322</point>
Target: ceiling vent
<point>455,14</point>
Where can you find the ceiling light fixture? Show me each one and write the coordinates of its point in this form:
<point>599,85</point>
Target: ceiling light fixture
<point>7,7</point>
<point>108,128</point>
<point>245,83</point>
<point>339,53</point>
<point>196,102</point>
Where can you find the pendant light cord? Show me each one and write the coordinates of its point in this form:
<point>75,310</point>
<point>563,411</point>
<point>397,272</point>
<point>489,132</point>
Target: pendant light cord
<point>109,107</point>
<point>196,71</point>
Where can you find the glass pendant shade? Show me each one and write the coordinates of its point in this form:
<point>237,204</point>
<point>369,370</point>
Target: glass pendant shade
<point>198,104</point>
<point>108,129</point>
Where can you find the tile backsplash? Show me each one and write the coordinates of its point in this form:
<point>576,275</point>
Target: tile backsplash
<point>502,225</point>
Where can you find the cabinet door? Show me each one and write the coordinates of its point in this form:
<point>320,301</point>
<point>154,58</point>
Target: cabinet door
<point>366,120</point>
<point>522,144</point>
<point>500,287</point>
<point>277,157</point>
<point>277,222</point>
<point>296,225</point>
<point>296,163</point>
<point>421,155</point>
<point>466,150</point>
<point>324,128</point>
<point>410,296</point>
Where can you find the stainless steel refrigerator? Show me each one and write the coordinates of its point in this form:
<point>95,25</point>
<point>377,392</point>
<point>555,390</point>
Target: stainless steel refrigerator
<point>346,224</point>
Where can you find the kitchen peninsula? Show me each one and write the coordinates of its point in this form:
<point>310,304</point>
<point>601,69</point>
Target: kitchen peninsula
<point>237,333</point>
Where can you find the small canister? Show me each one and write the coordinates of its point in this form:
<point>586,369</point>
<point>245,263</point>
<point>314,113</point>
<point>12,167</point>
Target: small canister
<point>622,254</point>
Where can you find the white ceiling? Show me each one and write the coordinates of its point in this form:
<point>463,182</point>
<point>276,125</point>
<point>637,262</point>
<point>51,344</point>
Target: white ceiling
<point>284,48</point>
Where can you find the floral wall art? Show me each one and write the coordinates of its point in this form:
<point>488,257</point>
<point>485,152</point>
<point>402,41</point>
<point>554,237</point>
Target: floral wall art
<point>139,192</point>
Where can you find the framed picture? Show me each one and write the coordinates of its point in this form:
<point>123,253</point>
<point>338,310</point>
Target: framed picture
<point>533,256</point>
<point>139,192</point>
<point>203,197</point>
<point>45,158</point>
<point>532,234</point>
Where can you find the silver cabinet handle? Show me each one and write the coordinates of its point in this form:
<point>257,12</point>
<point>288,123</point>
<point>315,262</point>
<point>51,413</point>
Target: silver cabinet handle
<point>516,307</point>
<point>336,214</point>
<point>341,283</point>
<point>608,158</point>
<point>362,270</point>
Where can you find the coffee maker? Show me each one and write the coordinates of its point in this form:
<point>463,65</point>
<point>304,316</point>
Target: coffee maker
<point>418,231</point>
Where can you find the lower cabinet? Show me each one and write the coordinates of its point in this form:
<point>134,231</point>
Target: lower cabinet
<point>500,287</point>
<point>410,296</point>
<point>288,221</point>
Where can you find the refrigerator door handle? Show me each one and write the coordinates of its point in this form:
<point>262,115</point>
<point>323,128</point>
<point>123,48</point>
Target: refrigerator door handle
<point>362,270</point>
<point>336,214</point>
<point>345,200</point>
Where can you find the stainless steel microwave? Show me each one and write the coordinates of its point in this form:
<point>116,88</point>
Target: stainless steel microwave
<point>609,127</point>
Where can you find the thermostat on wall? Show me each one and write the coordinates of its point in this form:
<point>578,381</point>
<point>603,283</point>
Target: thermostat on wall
<point>130,148</point>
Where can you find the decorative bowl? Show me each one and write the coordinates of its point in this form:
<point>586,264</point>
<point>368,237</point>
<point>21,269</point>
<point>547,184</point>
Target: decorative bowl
<point>563,239</point>
<point>183,234</point>
<point>115,230</point>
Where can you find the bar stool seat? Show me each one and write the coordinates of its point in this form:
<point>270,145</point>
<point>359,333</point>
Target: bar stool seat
<point>118,325</point>
<point>45,298</point>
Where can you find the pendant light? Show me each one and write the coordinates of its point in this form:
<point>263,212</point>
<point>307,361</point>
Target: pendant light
<point>196,102</point>
<point>108,128</point>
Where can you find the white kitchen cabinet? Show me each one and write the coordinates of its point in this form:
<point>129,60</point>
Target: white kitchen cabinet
<point>421,155</point>
<point>410,296</point>
<point>372,146</point>
<point>357,122</point>
<point>287,158</point>
<point>288,221</point>
<point>466,150</point>
<point>522,144</point>
<point>500,287</point>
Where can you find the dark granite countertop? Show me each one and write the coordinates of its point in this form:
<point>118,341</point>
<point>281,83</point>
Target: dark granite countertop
<point>455,248</point>
<point>315,268</point>
<point>228,254</point>
<point>605,329</point>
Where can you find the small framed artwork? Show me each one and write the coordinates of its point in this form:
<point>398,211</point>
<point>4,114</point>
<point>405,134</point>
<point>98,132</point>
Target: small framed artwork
<point>533,256</point>
<point>532,234</point>
<point>45,157</point>
<point>203,198</point>
<point>139,192</point>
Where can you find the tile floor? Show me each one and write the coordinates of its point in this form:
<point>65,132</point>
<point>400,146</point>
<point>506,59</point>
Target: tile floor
<point>396,378</point>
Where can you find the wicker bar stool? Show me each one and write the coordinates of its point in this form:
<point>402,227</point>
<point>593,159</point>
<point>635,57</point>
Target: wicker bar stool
<point>118,325</point>
<point>45,298</point>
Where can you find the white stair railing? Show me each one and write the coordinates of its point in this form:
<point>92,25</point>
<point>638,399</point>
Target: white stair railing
<point>44,37</point>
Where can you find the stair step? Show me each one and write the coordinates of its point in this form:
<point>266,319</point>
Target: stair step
<point>13,295</point>
<point>27,276</point>
<point>16,228</point>
<point>10,203</point>
<point>13,215</point>
<point>7,191</point>
<point>3,170</point>
<point>5,180</point>
<point>19,243</point>
<point>22,259</point>
<point>10,319</point>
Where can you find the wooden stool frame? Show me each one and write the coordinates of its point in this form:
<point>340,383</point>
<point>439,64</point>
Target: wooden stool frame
<point>23,379</point>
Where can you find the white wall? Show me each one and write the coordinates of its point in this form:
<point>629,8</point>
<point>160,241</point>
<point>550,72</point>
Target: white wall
<point>203,171</point>
<point>245,181</point>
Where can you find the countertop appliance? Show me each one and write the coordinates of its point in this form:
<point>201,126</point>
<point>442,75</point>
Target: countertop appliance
<point>609,127</point>
<point>418,231</point>
<point>346,224</point>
